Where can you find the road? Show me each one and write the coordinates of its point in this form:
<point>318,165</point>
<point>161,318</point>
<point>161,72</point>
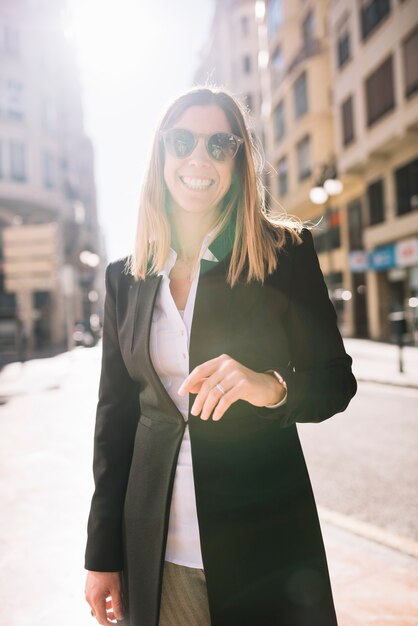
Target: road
<point>364,462</point>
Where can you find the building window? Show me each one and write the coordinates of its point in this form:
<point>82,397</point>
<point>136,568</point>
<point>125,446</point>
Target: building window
<point>380,92</point>
<point>247,64</point>
<point>245,25</point>
<point>274,16</point>
<point>11,99</point>
<point>49,170</point>
<point>300,93</point>
<point>375,198</point>
<point>410,51</point>
<point>347,121</point>
<point>407,188</point>
<point>283,176</point>
<point>277,59</point>
<point>334,230</point>
<point>308,29</point>
<point>10,43</point>
<point>355,225</point>
<point>303,150</point>
<point>279,125</point>
<point>343,49</point>
<point>17,161</point>
<point>372,12</point>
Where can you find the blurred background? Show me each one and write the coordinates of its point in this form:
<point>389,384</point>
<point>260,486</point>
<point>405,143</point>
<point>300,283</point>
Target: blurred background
<point>332,87</point>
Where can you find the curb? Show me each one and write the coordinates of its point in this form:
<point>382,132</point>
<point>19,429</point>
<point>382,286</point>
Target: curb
<point>391,383</point>
<point>369,531</point>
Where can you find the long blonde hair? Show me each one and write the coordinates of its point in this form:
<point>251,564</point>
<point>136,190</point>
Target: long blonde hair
<point>258,234</point>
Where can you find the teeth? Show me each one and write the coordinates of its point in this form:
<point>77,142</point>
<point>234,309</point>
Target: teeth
<point>197,183</point>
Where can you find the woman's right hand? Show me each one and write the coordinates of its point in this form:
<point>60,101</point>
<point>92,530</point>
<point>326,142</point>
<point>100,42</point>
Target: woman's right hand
<point>104,595</point>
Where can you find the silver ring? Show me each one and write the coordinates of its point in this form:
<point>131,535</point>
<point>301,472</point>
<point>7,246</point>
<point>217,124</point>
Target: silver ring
<point>221,389</point>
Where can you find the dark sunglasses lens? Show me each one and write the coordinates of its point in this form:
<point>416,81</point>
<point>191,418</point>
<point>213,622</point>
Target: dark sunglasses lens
<point>222,146</point>
<point>179,142</point>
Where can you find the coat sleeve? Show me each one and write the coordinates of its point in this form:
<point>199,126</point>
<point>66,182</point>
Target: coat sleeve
<point>319,379</point>
<point>116,421</point>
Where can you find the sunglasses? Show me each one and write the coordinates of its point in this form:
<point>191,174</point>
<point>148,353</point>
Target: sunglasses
<point>180,143</point>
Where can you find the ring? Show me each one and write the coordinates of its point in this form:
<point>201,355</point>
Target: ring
<point>221,389</point>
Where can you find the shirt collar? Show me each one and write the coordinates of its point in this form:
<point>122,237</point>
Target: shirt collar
<point>204,253</point>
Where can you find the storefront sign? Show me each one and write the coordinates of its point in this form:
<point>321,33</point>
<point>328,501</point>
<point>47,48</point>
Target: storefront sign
<point>407,252</point>
<point>382,258</point>
<point>358,261</point>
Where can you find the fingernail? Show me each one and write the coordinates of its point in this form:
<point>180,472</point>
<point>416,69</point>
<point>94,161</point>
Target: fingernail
<point>193,410</point>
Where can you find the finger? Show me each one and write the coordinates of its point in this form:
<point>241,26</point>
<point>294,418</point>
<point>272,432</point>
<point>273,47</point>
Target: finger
<point>99,611</point>
<point>208,386</point>
<point>211,401</point>
<point>116,604</point>
<point>225,402</point>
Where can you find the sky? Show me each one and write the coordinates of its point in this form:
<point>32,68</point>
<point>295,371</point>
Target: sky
<point>134,57</point>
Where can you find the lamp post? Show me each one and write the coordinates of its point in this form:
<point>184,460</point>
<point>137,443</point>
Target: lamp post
<point>327,186</point>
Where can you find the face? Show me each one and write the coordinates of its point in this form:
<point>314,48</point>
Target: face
<point>198,183</point>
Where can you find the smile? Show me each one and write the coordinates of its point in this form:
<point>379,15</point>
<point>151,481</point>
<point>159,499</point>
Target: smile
<point>197,184</point>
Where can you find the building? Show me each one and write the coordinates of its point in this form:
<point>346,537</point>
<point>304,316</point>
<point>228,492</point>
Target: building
<point>50,242</point>
<point>374,51</point>
<point>231,55</point>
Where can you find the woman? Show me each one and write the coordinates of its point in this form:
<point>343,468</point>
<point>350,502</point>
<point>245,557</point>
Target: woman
<point>218,337</point>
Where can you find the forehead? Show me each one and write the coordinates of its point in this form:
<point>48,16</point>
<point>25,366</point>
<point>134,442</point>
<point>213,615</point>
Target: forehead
<point>204,119</point>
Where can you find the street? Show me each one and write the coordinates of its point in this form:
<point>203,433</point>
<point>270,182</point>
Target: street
<point>363,464</point>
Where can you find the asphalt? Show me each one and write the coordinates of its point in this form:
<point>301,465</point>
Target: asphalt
<point>374,578</point>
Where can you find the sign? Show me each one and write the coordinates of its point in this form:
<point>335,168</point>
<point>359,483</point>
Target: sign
<point>31,256</point>
<point>358,261</point>
<point>407,252</point>
<point>382,258</point>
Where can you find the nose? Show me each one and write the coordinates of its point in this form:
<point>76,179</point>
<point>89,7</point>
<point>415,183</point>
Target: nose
<point>199,154</point>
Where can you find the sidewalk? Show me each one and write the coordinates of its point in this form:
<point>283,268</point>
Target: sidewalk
<point>372,585</point>
<point>378,362</point>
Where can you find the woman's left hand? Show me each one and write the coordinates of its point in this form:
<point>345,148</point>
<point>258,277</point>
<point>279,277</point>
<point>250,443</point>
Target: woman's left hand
<point>221,381</point>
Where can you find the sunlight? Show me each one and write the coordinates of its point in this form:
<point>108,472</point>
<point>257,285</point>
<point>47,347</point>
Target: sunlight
<point>111,37</point>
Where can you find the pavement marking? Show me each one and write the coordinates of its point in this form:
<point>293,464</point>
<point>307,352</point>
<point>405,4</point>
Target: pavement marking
<point>369,531</point>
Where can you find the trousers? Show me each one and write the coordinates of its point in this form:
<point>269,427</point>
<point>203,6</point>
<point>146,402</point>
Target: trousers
<point>184,600</point>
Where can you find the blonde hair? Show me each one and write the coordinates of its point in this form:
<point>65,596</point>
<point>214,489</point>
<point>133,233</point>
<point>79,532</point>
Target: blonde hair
<point>258,234</point>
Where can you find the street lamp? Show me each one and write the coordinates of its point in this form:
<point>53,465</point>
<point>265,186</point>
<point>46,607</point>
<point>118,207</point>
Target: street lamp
<point>326,187</point>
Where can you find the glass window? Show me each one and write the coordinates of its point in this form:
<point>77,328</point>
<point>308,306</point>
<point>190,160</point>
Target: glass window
<point>343,49</point>
<point>49,170</point>
<point>347,121</point>
<point>355,224</point>
<point>407,188</point>
<point>410,50</point>
<point>279,122</point>
<point>372,12</point>
<point>17,161</point>
<point>300,94</point>
<point>274,16</point>
<point>303,150</point>
<point>375,196</point>
<point>277,59</point>
<point>245,25</point>
<point>11,40</point>
<point>283,176</point>
<point>380,92</point>
<point>308,29</point>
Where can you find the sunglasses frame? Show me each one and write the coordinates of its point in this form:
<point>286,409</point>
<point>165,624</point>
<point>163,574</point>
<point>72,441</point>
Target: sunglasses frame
<point>196,137</point>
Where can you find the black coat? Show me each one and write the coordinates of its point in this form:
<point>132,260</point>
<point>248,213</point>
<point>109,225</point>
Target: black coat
<point>261,542</point>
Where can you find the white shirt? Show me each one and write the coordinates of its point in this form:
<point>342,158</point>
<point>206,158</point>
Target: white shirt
<point>169,350</point>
